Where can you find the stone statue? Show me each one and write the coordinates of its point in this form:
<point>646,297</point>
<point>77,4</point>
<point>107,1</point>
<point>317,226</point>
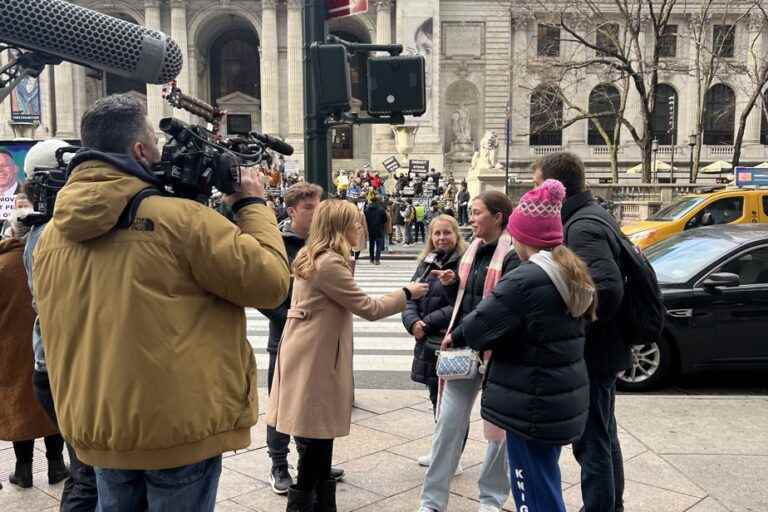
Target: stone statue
<point>461,127</point>
<point>484,159</point>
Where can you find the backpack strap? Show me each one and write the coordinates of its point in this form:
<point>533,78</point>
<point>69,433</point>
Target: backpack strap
<point>129,213</point>
<point>611,228</point>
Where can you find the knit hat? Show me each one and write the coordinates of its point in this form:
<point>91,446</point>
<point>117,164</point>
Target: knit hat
<point>536,221</point>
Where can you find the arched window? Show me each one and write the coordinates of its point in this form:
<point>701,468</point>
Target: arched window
<point>546,119</point>
<point>235,64</point>
<point>116,84</point>
<point>719,115</point>
<point>604,99</point>
<point>665,113</point>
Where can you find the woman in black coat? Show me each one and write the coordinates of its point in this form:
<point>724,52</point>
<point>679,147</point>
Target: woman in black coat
<point>536,386</point>
<point>427,318</point>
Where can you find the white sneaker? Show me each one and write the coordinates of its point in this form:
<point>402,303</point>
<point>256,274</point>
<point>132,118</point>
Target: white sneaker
<point>459,470</point>
<point>425,460</point>
<point>488,508</point>
<point>425,509</point>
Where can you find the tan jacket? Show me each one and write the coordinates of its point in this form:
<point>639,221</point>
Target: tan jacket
<point>312,388</point>
<point>144,328</point>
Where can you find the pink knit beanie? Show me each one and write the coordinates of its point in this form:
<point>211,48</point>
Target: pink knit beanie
<point>536,221</point>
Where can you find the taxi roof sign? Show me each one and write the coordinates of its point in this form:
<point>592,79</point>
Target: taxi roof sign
<point>751,177</point>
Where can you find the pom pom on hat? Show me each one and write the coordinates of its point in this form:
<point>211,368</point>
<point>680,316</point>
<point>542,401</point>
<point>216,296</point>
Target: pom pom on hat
<point>536,220</point>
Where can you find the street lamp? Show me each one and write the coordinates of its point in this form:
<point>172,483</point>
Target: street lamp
<point>691,143</point>
<point>654,150</point>
<point>508,127</point>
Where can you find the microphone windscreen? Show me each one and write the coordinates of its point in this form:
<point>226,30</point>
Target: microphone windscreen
<point>87,37</point>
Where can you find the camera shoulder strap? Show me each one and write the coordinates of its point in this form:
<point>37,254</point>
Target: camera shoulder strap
<point>129,213</point>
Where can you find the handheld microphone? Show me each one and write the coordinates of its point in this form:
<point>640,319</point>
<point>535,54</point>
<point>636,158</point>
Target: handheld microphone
<point>273,143</point>
<point>82,36</point>
<point>429,260</point>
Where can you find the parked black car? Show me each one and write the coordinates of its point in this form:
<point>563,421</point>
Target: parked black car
<point>714,282</point>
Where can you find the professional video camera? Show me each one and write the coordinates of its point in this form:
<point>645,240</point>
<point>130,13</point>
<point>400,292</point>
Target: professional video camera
<point>43,186</point>
<point>196,160</point>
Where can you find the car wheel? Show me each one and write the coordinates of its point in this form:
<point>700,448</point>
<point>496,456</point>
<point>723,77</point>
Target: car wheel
<point>651,366</point>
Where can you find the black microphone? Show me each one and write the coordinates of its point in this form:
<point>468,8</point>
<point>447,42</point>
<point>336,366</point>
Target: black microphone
<point>273,143</point>
<point>429,260</point>
<point>89,38</point>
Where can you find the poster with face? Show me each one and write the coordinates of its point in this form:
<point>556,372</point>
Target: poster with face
<point>418,32</point>
<point>25,101</point>
<point>12,157</point>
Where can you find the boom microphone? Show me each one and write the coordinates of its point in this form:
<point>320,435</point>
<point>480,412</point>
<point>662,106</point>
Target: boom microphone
<point>89,38</point>
<point>273,143</point>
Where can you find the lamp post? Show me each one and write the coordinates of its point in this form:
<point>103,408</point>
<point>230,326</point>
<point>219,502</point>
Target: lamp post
<point>507,126</point>
<point>692,144</point>
<point>654,150</point>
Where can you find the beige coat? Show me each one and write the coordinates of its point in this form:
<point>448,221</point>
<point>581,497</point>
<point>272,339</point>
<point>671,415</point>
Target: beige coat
<point>312,389</point>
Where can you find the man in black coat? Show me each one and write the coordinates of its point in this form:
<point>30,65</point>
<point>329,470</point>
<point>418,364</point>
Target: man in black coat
<point>606,354</point>
<point>376,218</point>
<point>301,200</point>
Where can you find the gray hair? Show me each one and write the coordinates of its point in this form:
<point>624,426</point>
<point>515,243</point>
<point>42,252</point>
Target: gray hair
<point>114,124</point>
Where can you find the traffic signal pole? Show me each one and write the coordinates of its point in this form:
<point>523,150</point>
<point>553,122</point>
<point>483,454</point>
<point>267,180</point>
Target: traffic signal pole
<point>317,161</point>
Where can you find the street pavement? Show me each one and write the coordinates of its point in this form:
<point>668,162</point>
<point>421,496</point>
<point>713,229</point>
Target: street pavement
<point>698,447</point>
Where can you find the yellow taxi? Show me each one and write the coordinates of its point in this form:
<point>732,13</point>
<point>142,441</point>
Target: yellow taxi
<point>729,206</point>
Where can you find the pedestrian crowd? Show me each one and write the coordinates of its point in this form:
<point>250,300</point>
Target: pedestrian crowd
<point>125,339</point>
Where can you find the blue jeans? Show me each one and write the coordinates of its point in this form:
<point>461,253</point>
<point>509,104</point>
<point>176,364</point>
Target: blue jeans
<point>535,475</point>
<point>375,247</point>
<point>191,487</point>
<point>598,451</point>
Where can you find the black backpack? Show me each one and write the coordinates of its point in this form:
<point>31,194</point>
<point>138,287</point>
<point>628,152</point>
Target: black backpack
<point>642,310</point>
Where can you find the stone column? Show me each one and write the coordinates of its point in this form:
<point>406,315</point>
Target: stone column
<point>179,34</point>
<point>755,63</point>
<point>295,75</point>
<point>382,135</point>
<point>270,77</point>
<point>155,110</point>
<point>521,97</point>
<point>80,95</point>
<point>66,121</point>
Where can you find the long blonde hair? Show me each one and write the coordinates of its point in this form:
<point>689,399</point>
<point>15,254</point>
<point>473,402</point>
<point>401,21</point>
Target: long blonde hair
<point>461,244</point>
<point>576,275</point>
<point>328,232</point>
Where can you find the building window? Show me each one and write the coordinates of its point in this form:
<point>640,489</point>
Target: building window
<point>342,142</point>
<point>764,123</point>
<point>548,40</point>
<point>719,115</point>
<point>604,99</point>
<point>235,65</point>
<point>668,41</point>
<point>724,40</point>
<point>607,39</point>
<point>546,119</point>
<point>664,117</point>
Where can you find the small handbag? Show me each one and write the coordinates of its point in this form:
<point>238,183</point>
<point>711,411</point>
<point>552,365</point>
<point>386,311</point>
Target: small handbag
<point>457,364</point>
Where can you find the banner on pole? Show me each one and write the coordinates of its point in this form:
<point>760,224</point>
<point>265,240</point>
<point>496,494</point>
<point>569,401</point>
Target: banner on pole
<point>341,8</point>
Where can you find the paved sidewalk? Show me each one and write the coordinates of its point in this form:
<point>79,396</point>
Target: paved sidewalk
<point>682,453</point>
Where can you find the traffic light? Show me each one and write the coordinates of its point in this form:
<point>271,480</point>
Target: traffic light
<point>334,89</point>
<point>397,85</point>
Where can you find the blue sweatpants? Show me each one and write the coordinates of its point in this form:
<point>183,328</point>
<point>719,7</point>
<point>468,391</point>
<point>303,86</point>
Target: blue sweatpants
<point>534,475</point>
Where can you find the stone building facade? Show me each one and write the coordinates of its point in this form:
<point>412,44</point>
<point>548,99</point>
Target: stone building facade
<point>483,57</point>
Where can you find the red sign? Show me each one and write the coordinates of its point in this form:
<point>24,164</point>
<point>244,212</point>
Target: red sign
<point>340,8</point>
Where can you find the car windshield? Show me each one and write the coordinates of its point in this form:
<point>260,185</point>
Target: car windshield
<point>677,209</point>
<point>678,259</point>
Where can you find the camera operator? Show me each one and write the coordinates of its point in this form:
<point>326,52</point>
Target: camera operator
<point>80,488</point>
<point>144,327</point>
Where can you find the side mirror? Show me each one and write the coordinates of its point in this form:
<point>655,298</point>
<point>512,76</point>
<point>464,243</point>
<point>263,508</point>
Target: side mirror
<point>721,279</point>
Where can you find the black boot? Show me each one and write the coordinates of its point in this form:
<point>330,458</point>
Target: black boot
<point>57,470</point>
<point>22,477</point>
<point>299,501</point>
<point>326,496</point>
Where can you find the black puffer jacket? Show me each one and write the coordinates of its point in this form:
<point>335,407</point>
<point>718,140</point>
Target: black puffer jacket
<point>473,293</point>
<point>536,385</point>
<point>278,316</point>
<point>434,309</point>
<point>606,353</point>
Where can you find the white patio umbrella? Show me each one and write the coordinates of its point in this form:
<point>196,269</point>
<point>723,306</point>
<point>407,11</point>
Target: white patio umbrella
<point>716,167</point>
<point>762,165</point>
<point>660,166</point>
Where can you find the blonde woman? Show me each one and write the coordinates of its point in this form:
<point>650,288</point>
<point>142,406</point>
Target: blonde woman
<point>311,394</point>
